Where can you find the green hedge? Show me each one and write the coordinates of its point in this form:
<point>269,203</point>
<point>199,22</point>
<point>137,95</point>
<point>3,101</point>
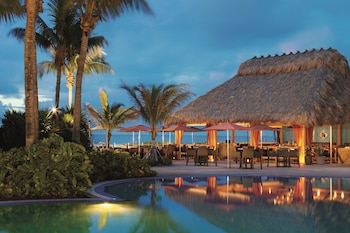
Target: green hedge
<point>50,168</point>
<point>109,165</point>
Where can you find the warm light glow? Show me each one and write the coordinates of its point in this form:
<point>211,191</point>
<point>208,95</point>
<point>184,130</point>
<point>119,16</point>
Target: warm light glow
<point>270,191</point>
<point>111,208</point>
<point>318,193</point>
<point>342,195</point>
<point>335,195</point>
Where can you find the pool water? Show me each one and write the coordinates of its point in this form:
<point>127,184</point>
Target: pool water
<point>197,204</point>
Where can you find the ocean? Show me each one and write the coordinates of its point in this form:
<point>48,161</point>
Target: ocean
<point>188,138</point>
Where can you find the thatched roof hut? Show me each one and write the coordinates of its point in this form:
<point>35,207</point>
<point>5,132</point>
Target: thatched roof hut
<point>310,88</point>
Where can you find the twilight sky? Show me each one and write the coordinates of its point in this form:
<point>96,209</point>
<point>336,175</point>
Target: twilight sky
<point>198,42</point>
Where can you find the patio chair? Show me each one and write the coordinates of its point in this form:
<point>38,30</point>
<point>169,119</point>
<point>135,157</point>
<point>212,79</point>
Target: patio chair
<point>294,157</point>
<point>191,153</point>
<point>248,157</point>
<point>271,154</point>
<point>237,157</point>
<point>202,155</point>
<point>169,151</point>
<point>283,159</point>
<point>215,154</point>
<point>258,154</point>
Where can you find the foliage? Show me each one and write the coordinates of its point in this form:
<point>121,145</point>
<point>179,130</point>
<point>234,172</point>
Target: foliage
<point>49,168</point>
<point>319,151</point>
<point>155,104</point>
<point>162,161</point>
<point>92,13</point>
<point>9,9</point>
<point>111,117</point>
<point>12,130</point>
<point>109,165</point>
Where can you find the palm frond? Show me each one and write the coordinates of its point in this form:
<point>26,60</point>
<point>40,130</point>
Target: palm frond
<point>9,9</point>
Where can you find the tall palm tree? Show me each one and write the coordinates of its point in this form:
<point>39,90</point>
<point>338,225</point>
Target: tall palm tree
<point>92,12</point>
<point>155,104</point>
<point>62,40</point>
<point>8,10</point>
<point>94,64</point>
<point>32,7</point>
<point>111,117</point>
<point>58,38</point>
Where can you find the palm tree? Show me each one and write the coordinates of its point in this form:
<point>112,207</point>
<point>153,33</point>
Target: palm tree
<point>94,64</point>
<point>111,117</point>
<point>33,7</point>
<point>62,40</point>
<point>155,104</point>
<point>92,12</point>
<point>10,9</point>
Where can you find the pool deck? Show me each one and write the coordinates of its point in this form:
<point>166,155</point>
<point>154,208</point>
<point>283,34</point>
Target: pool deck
<point>179,168</point>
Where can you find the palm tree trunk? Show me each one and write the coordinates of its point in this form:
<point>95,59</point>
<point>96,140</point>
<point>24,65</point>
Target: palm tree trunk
<point>58,87</point>
<point>79,80</point>
<point>108,138</point>
<point>154,150</point>
<point>70,94</point>
<point>69,85</point>
<point>30,75</point>
<point>87,24</point>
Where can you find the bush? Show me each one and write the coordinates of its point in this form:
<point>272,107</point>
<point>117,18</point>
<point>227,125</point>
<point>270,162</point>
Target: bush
<point>109,165</point>
<point>50,168</point>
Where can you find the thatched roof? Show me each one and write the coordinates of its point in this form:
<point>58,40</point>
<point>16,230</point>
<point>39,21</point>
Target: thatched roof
<point>310,88</point>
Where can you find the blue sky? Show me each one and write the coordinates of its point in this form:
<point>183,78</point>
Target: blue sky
<point>198,42</point>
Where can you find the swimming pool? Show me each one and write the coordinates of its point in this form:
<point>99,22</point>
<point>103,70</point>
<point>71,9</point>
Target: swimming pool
<point>196,204</point>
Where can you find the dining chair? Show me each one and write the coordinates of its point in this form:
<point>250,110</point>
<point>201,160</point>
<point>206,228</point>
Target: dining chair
<point>237,157</point>
<point>202,154</point>
<point>258,154</point>
<point>248,157</point>
<point>271,154</point>
<point>283,159</point>
<point>294,156</point>
<point>191,153</point>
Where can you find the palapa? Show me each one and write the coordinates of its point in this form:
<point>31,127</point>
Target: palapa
<point>310,88</point>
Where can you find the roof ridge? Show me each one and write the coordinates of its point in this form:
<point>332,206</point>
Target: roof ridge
<point>294,62</point>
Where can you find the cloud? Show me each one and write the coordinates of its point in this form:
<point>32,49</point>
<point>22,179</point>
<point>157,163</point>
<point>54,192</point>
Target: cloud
<point>309,39</point>
<point>15,102</point>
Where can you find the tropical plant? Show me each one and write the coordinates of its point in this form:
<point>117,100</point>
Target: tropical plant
<point>62,41</point>
<point>155,104</point>
<point>12,130</point>
<point>32,7</point>
<point>111,117</point>
<point>94,63</point>
<point>109,165</point>
<point>49,168</point>
<point>10,9</point>
<point>92,13</point>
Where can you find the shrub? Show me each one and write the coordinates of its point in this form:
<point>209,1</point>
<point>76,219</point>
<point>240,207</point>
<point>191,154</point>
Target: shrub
<point>50,168</point>
<point>109,165</point>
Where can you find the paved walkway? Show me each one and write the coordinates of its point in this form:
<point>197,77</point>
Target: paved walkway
<point>179,168</point>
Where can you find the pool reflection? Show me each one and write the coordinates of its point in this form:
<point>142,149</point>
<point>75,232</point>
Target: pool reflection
<point>266,204</point>
<point>197,204</point>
